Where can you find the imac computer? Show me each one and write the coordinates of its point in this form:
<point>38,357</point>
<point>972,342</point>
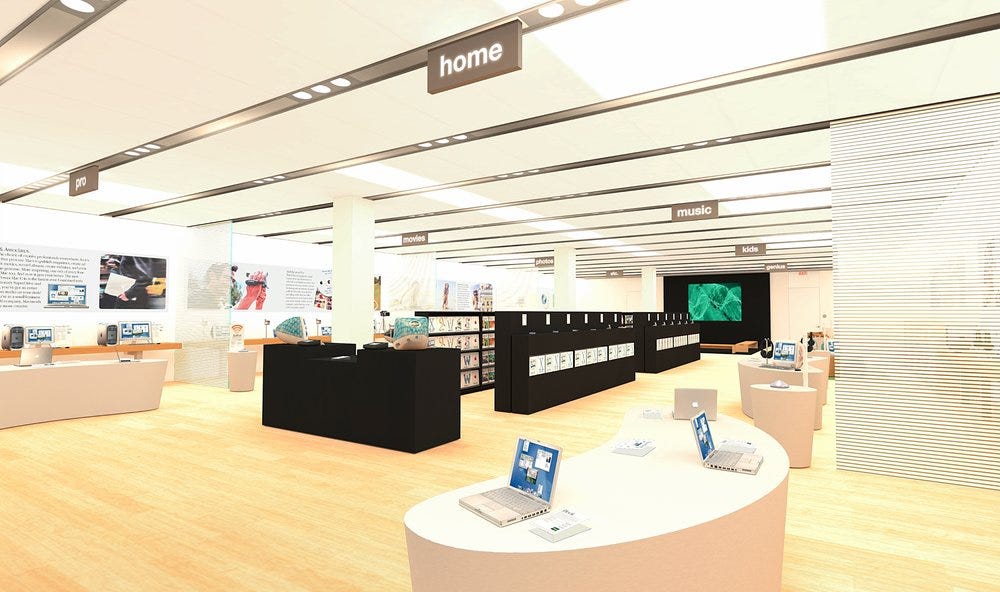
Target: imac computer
<point>135,332</point>
<point>36,336</point>
<point>785,353</point>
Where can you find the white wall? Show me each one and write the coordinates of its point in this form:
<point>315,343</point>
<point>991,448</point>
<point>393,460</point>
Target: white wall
<point>801,301</point>
<point>624,294</point>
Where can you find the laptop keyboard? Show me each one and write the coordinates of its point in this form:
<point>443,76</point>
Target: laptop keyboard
<point>514,500</point>
<point>726,458</point>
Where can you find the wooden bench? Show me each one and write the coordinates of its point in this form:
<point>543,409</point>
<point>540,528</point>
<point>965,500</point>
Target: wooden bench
<point>742,347</point>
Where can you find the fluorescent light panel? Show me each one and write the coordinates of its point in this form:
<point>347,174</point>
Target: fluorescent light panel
<point>762,205</point>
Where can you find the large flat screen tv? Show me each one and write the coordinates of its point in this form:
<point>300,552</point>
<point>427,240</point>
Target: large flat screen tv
<point>715,302</point>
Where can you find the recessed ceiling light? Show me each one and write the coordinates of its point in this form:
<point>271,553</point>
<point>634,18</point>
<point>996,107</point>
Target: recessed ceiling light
<point>321,89</point>
<point>132,153</point>
<point>143,150</point>
<point>442,141</point>
<point>152,146</point>
<point>551,10</point>
<point>533,171</point>
<point>518,173</point>
<point>269,179</point>
<point>303,95</point>
<point>586,2</point>
<point>700,144</point>
<point>78,5</point>
<point>460,137</point>
<point>681,147</point>
<point>425,144</point>
<point>722,140</point>
<point>341,82</point>
<point>279,176</point>
<point>504,176</point>
<point>259,181</point>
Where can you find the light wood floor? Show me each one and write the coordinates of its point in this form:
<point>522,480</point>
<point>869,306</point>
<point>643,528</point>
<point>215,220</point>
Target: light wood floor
<point>199,496</point>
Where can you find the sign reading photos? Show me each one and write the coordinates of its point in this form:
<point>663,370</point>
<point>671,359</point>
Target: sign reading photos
<point>556,362</point>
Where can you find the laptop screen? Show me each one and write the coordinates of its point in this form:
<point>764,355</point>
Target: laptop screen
<point>784,353</point>
<point>534,468</point>
<point>703,435</point>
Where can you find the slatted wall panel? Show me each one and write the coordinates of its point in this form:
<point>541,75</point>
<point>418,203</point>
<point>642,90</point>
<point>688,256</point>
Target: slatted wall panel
<point>916,241</point>
<point>203,321</point>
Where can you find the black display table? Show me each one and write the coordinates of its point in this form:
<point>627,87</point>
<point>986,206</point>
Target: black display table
<point>401,400</point>
<point>654,359</point>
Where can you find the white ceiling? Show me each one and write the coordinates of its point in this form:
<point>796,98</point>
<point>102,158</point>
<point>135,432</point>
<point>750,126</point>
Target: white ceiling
<point>133,77</point>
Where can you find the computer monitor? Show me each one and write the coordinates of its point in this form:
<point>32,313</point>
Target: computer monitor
<point>135,332</point>
<point>38,336</point>
<point>784,354</point>
<point>535,469</point>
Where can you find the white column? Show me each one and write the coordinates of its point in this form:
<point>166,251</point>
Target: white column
<point>565,272</point>
<point>353,269</point>
<point>649,303</point>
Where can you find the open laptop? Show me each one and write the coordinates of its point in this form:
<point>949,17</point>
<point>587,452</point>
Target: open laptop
<point>723,460</point>
<point>688,402</point>
<point>529,491</point>
<point>31,356</point>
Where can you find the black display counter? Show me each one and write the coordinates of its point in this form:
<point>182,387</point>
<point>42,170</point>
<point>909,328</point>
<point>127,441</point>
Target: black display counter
<point>401,400</point>
<point>521,336</point>
<point>657,356</point>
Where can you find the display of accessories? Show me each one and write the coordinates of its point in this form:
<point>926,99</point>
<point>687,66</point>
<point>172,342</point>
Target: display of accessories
<point>466,331</point>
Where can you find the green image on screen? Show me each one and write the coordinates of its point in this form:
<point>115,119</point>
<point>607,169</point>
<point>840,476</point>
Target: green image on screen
<point>715,302</point>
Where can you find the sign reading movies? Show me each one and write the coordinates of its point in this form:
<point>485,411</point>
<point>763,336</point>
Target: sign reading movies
<point>477,57</point>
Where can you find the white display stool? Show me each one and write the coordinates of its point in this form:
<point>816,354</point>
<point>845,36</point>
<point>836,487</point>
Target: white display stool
<point>787,414</point>
<point>242,371</point>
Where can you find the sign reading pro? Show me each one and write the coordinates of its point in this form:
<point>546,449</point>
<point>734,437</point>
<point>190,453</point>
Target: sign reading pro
<point>477,57</point>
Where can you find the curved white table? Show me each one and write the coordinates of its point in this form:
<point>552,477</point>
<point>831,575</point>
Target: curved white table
<point>788,414</point>
<point>751,372</point>
<point>78,389</point>
<point>659,520</point>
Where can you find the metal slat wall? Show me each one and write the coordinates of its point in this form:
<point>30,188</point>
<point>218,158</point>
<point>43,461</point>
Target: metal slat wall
<point>916,244</point>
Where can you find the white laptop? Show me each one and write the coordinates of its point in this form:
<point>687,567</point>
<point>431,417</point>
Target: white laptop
<point>688,402</point>
<point>723,460</point>
<point>33,356</point>
<point>529,491</point>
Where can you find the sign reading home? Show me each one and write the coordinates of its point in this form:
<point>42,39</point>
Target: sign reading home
<point>476,57</point>
<point>411,239</point>
<point>83,181</point>
<point>544,261</point>
<point>751,250</point>
<point>700,210</point>
<point>776,267</point>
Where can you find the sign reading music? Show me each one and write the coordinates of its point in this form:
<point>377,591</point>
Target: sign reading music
<point>477,57</point>
<point>700,210</point>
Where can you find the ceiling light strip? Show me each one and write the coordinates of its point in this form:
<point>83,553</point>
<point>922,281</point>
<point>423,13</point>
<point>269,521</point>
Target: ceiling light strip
<point>437,244</point>
<point>328,87</point>
<point>53,22</point>
<point>836,56</point>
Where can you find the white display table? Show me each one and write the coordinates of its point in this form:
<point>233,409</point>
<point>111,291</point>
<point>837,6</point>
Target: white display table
<point>78,389</point>
<point>242,370</point>
<point>751,372</point>
<point>789,415</point>
<point>658,519</point>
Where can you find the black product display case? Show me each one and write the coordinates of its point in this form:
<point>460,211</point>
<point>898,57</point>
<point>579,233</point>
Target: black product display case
<point>667,340</point>
<point>401,400</point>
<point>523,339</point>
<point>473,334</point>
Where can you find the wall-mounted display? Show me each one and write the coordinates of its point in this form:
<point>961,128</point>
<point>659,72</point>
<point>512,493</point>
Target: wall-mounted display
<point>132,282</point>
<point>715,302</point>
<point>469,360</point>
<point>580,357</point>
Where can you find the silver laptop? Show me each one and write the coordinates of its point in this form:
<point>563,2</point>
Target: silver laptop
<point>529,490</point>
<point>723,460</point>
<point>688,402</point>
<point>31,356</point>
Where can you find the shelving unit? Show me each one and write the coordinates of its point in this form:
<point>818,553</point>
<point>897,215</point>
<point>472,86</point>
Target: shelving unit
<point>473,333</point>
